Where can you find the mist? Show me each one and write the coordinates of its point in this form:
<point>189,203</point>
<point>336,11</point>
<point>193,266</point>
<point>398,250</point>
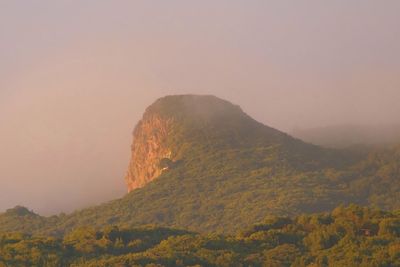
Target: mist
<point>75,78</point>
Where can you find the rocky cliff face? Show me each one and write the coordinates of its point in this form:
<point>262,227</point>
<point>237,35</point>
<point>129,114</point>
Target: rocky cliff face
<point>149,148</point>
<point>173,123</point>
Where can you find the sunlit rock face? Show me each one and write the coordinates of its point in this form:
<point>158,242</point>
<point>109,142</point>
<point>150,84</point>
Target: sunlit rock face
<point>173,125</point>
<point>148,149</point>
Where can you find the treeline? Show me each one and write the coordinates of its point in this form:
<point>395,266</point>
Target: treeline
<point>348,236</point>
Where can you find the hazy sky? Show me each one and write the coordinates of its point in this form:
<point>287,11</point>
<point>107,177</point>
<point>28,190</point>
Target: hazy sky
<point>75,77</point>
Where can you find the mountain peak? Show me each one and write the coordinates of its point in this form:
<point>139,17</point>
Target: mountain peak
<point>193,106</point>
<point>176,127</point>
<point>178,121</point>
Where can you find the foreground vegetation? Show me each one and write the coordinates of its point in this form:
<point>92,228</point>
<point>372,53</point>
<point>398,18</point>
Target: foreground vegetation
<point>348,236</point>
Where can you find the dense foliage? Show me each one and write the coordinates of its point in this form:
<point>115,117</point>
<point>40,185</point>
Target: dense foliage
<point>348,236</point>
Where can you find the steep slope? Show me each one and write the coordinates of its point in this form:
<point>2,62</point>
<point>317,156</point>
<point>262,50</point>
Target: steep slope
<point>148,149</point>
<point>201,163</point>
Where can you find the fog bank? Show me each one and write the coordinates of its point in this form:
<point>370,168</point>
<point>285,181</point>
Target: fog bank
<point>75,77</point>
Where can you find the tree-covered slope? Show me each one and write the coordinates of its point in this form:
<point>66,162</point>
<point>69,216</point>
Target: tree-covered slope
<point>348,236</point>
<point>227,171</point>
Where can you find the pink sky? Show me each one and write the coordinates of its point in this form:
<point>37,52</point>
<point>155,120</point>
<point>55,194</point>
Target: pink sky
<point>75,77</point>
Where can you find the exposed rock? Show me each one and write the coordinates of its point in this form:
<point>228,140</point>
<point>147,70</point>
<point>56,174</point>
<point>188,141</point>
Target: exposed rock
<point>148,149</point>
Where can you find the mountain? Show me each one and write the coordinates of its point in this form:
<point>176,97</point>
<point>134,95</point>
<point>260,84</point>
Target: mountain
<point>175,127</point>
<point>200,163</point>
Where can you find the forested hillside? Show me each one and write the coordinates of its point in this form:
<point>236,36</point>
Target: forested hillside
<point>348,236</point>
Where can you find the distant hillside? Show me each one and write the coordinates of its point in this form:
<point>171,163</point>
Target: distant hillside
<point>200,163</point>
<point>341,136</point>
